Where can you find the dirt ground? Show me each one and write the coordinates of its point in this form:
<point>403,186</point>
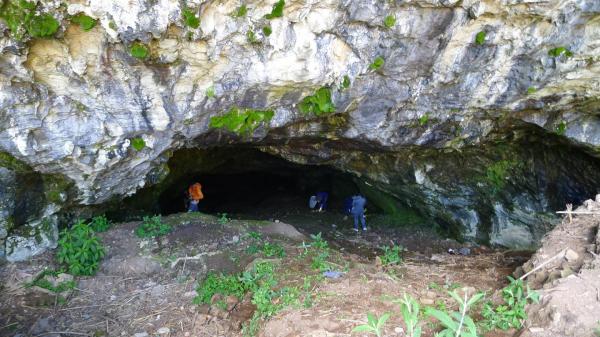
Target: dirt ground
<point>143,291</point>
<point>569,278</point>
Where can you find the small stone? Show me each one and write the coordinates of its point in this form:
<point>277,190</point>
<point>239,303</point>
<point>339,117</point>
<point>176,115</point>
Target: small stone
<point>426,301</point>
<point>189,294</point>
<point>186,334</point>
<point>536,329</point>
<point>277,221</point>
<point>430,294</point>
<point>163,330</point>
<point>571,255</point>
<point>398,330</point>
<point>141,334</point>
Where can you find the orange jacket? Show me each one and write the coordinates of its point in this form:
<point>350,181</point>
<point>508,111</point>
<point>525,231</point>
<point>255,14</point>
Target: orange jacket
<point>195,192</point>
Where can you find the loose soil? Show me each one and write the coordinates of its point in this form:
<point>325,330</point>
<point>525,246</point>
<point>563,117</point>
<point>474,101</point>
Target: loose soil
<point>143,291</point>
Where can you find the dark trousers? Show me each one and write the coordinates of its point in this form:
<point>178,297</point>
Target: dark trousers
<point>359,216</point>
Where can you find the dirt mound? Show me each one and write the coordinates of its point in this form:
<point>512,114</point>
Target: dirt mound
<point>567,269</point>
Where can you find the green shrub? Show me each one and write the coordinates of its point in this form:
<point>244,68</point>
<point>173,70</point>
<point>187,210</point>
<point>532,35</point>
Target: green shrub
<point>210,91</point>
<point>423,120</point>
<point>79,250</point>
<point>409,308</point>
<point>267,30</point>
<point>138,143</point>
<point>511,313</point>
<point>389,21</point>
<point>41,281</point>
<point>558,51</point>
<point>531,90</point>
<point>139,50</point>
<point>219,284</point>
<point>241,121</point>
<point>85,22</point>
<point>480,38</point>
<point>498,172</point>
<point>377,63</point>
<point>152,227</point>
<point>273,249</point>
<point>277,10</point>
<point>391,255</point>
<point>374,325</point>
<point>318,104</point>
<point>190,19</point>
<point>20,17</point>
<point>457,324</point>
<point>241,11</point>
<point>223,219</point>
<point>100,224</point>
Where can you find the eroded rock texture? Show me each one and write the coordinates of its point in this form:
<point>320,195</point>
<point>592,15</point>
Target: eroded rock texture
<point>480,136</point>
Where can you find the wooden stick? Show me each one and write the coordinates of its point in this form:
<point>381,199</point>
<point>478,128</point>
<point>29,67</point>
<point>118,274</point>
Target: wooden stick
<point>63,332</point>
<point>560,254</point>
<point>578,212</point>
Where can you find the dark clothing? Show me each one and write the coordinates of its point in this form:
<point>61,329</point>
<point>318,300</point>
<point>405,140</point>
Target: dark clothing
<point>193,206</point>
<point>348,205</point>
<point>322,200</point>
<point>358,211</point>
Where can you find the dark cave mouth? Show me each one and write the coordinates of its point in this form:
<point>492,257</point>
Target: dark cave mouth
<point>247,182</point>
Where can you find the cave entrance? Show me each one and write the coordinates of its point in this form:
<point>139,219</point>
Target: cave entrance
<point>251,183</point>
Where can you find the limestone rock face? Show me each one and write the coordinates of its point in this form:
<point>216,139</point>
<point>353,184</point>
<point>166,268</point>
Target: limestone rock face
<point>71,105</point>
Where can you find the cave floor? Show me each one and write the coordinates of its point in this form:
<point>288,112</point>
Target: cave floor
<point>141,290</point>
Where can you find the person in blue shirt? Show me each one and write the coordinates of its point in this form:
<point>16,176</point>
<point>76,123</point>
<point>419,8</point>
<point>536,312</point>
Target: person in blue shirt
<point>358,211</point>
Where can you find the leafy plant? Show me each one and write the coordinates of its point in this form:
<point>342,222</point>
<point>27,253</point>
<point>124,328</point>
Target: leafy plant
<point>241,11</point>
<point>100,224</point>
<point>44,25</point>
<point>423,120</point>
<point>139,50</point>
<point>558,51</point>
<point>42,282</point>
<point>511,313</point>
<point>456,324</point>
<point>409,308</point>
<point>152,227</point>
<point>241,121</point>
<point>138,143</point>
<point>377,63</point>
<point>374,325</point>
<point>85,22</point>
<point>391,255</point>
<point>480,38</point>
<point>389,21</point>
<point>219,284</point>
<point>223,219</point>
<point>561,128</point>
<point>79,249</point>
<point>531,90</point>
<point>190,19</point>
<point>273,249</point>
<point>210,91</point>
<point>346,82</point>
<point>277,10</point>
<point>251,37</point>
<point>267,30</point>
<point>318,104</point>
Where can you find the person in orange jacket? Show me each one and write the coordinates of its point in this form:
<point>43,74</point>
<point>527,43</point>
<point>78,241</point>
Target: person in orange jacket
<point>195,195</point>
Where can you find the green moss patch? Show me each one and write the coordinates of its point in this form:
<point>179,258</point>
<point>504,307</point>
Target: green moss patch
<point>389,21</point>
<point>85,22</point>
<point>558,51</point>
<point>21,18</point>
<point>378,62</point>
<point>139,50</point>
<point>480,38</point>
<point>277,10</point>
<point>190,19</point>
<point>138,143</point>
<point>241,121</point>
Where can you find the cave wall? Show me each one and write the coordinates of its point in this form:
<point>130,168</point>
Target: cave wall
<point>74,104</point>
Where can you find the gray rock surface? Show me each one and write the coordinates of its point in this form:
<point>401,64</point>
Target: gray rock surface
<point>71,105</point>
